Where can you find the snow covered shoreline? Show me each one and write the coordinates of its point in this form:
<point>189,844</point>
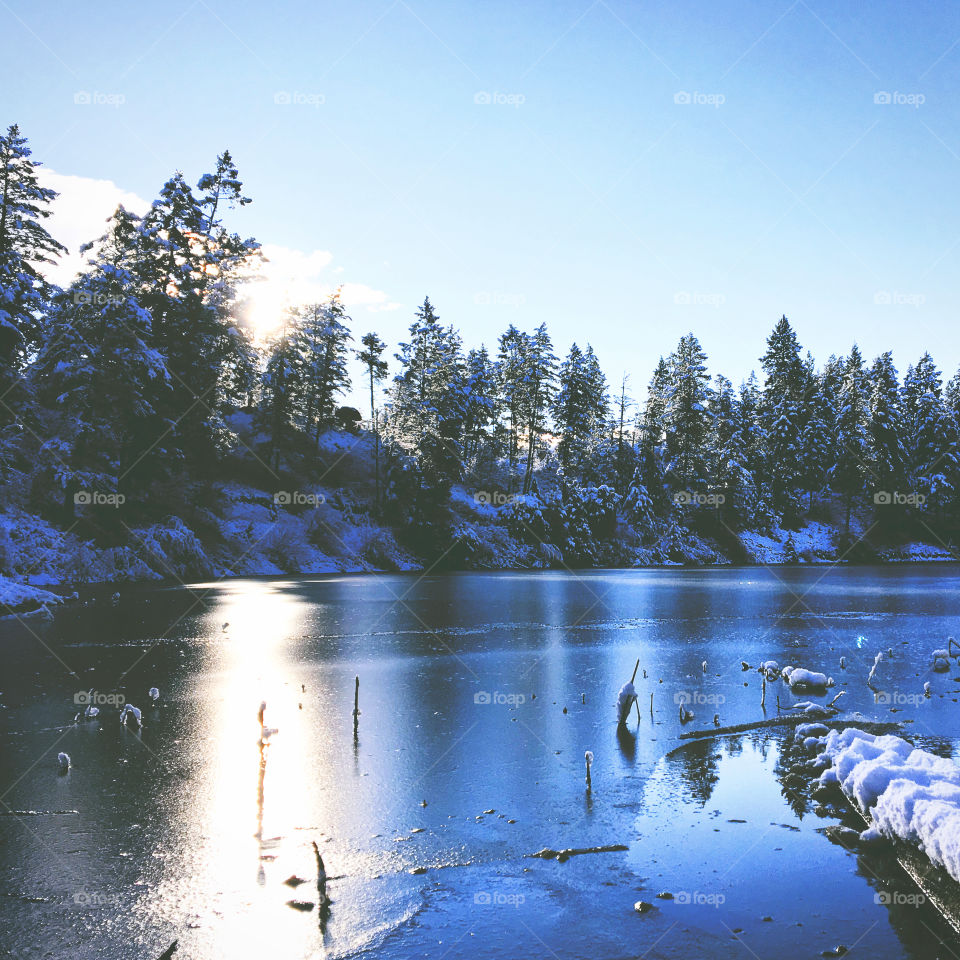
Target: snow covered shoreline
<point>251,536</point>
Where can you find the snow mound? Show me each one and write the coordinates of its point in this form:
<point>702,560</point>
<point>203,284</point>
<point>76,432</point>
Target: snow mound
<point>800,679</point>
<point>909,793</point>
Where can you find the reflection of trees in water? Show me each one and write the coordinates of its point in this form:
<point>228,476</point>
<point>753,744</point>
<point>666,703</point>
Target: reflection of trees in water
<point>796,778</point>
<point>696,763</point>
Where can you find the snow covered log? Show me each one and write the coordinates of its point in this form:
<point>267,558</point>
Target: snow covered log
<point>908,793</point>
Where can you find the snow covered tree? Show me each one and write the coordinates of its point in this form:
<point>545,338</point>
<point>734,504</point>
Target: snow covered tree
<point>25,245</point>
<point>539,373</point>
<point>511,354</point>
<point>850,471</point>
<point>819,434</point>
<point>322,342</point>
<point>278,411</point>
<point>480,405</point>
<point>97,370</point>
<point>931,432</point>
<point>885,425</point>
<point>685,415</point>
<point>781,415</point>
<point>724,454</point>
<point>187,266</point>
<point>580,409</point>
<point>427,402</point>
<point>371,356</point>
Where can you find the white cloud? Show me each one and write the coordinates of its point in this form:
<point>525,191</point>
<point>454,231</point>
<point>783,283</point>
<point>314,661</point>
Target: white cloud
<point>79,215</point>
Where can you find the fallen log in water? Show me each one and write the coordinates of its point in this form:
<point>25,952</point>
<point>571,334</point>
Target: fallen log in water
<point>784,720</point>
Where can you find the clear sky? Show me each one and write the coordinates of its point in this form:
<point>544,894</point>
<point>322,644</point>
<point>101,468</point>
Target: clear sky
<point>625,172</point>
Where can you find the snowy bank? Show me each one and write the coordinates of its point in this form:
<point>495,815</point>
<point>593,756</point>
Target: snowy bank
<point>908,793</point>
<point>19,598</point>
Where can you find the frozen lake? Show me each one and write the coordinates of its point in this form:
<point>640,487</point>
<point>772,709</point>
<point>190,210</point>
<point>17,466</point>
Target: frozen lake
<point>479,695</point>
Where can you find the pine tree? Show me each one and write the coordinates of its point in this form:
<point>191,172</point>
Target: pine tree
<point>580,409</point>
<point>781,415</point>
<point>511,360</point>
<point>885,426</point>
<point>96,368</point>
<point>322,343</point>
<point>279,403</point>
<point>371,357</point>
<point>427,402</point>
<point>850,472</point>
<point>685,415</point>
<point>931,431</point>
<point>25,245</point>
<point>480,408</point>
<point>539,373</point>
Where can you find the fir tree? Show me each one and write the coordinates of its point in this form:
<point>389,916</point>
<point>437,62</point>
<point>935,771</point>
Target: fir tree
<point>371,357</point>
<point>25,245</point>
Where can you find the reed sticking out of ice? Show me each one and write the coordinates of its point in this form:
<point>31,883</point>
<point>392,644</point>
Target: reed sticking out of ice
<point>876,663</point>
<point>627,697</point>
<point>588,757</point>
<point>763,694</point>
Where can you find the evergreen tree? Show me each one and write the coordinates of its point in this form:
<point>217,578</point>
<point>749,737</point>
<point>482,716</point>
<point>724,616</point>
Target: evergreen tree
<point>850,472</point>
<point>25,245</point>
<point>685,415</point>
<point>539,373</point>
<point>97,371</point>
<point>427,402</point>
<point>322,343</point>
<point>580,409</point>
<point>931,431</point>
<point>781,415</point>
<point>371,357</point>
<point>480,408</point>
<point>885,426</point>
<point>279,402</point>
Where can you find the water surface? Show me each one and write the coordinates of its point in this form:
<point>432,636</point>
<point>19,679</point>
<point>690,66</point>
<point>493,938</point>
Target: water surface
<point>479,695</point>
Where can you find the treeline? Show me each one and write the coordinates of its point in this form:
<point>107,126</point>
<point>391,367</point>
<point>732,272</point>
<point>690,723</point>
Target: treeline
<point>132,378</point>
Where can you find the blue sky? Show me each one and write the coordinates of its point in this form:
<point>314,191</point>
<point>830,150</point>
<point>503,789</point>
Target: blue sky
<point>625,172</point>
